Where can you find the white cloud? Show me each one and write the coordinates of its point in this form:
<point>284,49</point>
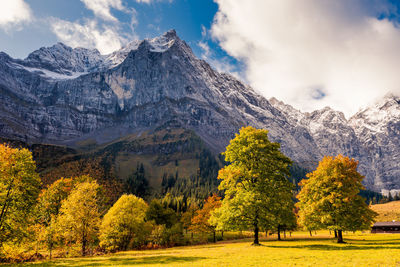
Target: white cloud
<point>313,53</point>
<point>104,32</point>
<point>13,13</point>
<point>102,8</point>
<point>106,38</point>
<point>220,64</point>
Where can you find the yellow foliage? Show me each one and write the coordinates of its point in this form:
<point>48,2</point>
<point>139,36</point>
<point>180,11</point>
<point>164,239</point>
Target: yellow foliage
<point>123,224</point>
<point>19,190</point>
<point>79,217</point>
<point>329,197</point>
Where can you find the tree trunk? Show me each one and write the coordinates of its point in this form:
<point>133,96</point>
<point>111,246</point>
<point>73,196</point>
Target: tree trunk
<point>6,203</point>
<point>310,233</point>
<point>84,245</point>
<point>340,237</point>
<point>290,234</point>
<point>51,247</point>
<point>215,239</point>
<point>335,234</point>
<point>256,242</point>
<point>284,233</point>
<point>279,232</point>
<point>222,235</point>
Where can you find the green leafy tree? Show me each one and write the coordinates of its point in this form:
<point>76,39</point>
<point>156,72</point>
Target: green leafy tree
<point>123,223</point>
<point>79,217</point>
<point>255,183</point>
<point>330,198</point>
<point>161,215</point>
<point>285,219</point>
<point>168,230</point>
<point>19,190</point>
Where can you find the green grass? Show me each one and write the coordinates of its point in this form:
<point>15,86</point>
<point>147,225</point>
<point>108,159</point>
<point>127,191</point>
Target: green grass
<point>300,250</point>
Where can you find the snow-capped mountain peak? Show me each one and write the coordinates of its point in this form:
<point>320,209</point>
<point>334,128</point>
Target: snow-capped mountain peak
<point>164,42</point>
<point>376,116</point>
<point>63,59</point>
<point>60,61</point>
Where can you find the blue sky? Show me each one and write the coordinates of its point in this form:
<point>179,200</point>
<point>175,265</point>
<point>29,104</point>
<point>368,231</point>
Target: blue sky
<point>186,16</point>
<point>309,53</point>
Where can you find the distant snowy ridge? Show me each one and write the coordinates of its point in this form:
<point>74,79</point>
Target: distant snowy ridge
<point>60,61</point>
<point>372,136</point>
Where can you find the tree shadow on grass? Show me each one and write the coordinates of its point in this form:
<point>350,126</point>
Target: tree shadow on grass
<point>371,243</point>
<point>153,260</point>
<point>375,241</point>
<point>338,247</point>
<point>203,246</point>
<point>289,239</point>
<point>120,261</point>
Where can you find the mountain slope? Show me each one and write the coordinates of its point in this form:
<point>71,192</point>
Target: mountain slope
<point>66,96</point>
<point>378,129</point>
<point>370,136</point>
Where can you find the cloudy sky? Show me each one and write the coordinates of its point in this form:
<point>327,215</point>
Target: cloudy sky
<point>308,53</point>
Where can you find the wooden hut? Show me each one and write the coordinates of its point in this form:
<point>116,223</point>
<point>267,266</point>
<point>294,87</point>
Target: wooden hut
<point>386,227</point>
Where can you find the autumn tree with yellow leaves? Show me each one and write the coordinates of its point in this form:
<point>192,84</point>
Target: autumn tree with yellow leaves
<point>19,190</point>
<point>124,224</point>
<point>329,197</point>
<point>79,217</point>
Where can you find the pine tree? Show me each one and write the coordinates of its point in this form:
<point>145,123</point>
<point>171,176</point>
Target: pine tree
<point>137,184</point>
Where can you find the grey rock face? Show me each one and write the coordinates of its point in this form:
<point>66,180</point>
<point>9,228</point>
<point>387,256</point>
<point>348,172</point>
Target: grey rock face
<point>64,60</point>
<point>62,95</point>
<point>370,136</point>
<point>378,129</point>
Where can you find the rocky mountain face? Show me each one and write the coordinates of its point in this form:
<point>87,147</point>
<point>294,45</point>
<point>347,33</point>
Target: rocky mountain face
<point>370,136</point>
<point>60,95</point>
<point>378,130</point>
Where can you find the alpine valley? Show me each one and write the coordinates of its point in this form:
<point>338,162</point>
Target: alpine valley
<point>152,107</point>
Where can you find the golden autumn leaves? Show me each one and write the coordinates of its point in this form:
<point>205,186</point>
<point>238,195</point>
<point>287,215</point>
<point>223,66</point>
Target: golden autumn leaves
<point>329,197</point>
<point>19,190</point>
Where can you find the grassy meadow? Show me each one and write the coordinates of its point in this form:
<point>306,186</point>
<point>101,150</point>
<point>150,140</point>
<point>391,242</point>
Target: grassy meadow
<point>361,249</point>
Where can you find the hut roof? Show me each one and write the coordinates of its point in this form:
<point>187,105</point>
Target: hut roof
<point>395,223</point>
